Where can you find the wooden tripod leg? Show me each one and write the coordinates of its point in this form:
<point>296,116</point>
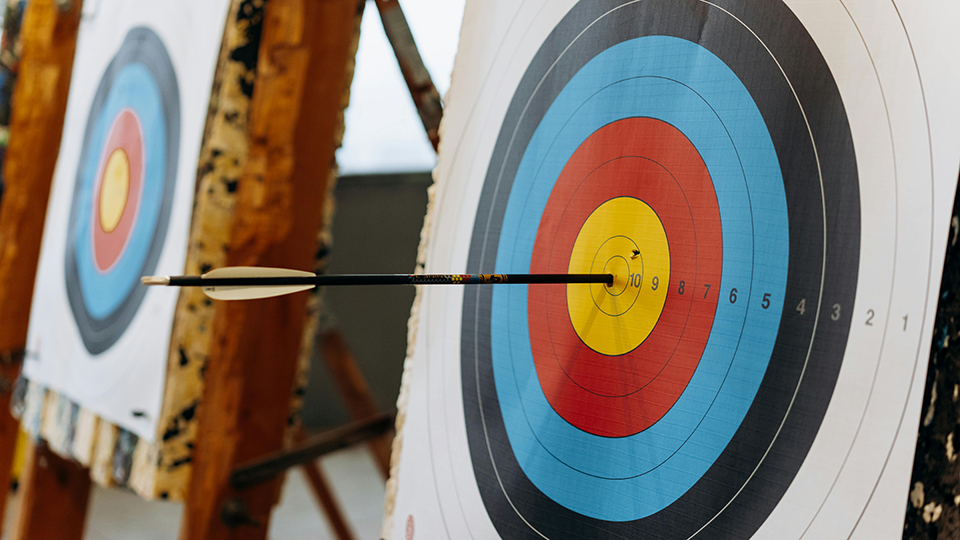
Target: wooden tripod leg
<point>324,495</point>
<point>49,40</point>
<point>355,391</point>
<point>305,55</point>
<point>54,493</point>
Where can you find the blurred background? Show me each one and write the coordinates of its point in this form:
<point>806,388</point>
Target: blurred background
<point>385,165</point>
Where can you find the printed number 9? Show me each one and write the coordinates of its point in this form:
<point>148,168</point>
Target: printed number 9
<point>656,282</point>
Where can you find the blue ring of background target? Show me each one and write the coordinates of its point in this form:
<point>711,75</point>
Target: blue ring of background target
<point>684,85</point>
<point>781,66</point>
<point>141,76</point>
<point>103,293</point>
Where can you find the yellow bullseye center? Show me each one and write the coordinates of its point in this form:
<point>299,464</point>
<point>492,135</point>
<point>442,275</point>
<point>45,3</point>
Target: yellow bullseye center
<point>114,190</point>
<point>624,237</point>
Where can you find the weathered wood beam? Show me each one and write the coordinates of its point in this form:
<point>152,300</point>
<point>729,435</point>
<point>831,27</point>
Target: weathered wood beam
<point>49,37</point>
<point>53,499</point>
<point>294,127</point>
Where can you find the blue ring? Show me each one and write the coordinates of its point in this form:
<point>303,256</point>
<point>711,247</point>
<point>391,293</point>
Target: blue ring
<point>683,84</point>
<point>103,293</point>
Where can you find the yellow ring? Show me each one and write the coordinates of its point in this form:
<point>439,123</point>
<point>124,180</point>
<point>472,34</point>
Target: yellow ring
<point>114,190</point>
<point>623,237</point>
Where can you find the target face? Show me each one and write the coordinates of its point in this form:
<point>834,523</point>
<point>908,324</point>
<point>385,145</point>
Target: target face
<point>663,157</point>
<point>124,189</point>
<point>751,173</point>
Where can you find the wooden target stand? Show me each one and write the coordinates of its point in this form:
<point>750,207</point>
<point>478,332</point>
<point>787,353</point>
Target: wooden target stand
<point>274,120</point>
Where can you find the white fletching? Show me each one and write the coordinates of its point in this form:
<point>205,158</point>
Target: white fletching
<point>251,292</point>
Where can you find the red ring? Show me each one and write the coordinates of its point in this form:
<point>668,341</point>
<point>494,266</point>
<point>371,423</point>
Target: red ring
<point>617,396</point>
<point>125,134</point>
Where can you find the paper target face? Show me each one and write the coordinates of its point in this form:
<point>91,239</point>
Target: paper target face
<point>739,167</point>
<point>120,206</point>
<point>124,189</point>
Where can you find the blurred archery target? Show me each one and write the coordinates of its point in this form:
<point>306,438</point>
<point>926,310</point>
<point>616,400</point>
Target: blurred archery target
<point>124,189</point>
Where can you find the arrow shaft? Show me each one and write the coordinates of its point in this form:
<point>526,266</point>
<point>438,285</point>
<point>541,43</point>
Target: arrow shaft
<point>390,279</point>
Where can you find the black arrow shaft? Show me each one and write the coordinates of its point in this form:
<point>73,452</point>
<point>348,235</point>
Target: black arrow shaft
<point>391,279</point>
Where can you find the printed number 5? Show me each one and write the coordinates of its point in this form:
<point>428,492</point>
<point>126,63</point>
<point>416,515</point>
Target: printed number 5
<point>766,301</point>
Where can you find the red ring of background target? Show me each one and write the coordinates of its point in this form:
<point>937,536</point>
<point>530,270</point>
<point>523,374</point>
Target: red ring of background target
<point>125,134</point>
<point>617,396</point>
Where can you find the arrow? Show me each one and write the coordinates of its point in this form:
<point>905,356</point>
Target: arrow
<point>250,282</point>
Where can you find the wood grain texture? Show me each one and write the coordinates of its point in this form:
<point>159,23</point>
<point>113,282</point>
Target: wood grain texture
<point>49,40</point>
<point>162,470</point>
<point>294,126</point>
<point>54,494</point>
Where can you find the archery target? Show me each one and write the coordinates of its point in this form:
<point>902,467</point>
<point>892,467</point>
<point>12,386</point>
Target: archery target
<point>120,206</point>
<point>739,168</point>
<point>124,189</point>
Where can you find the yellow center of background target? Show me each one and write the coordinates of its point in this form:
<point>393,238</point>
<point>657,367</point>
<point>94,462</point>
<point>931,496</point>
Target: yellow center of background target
<point>114,190</point>
<point>623,237</point>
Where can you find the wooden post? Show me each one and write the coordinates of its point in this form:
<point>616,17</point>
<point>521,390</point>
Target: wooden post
<point>295,121</point>
<point>49,41</point>
<point>54,497</point>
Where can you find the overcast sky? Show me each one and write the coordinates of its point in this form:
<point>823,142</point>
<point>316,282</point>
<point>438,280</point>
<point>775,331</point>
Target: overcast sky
<point>383,131</point>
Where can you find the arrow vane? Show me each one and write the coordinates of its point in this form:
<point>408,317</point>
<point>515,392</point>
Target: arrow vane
<point>249,282</point>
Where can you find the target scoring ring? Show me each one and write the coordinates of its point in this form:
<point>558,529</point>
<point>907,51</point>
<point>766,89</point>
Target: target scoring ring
<point>613,239</point>
<point>617,396</point>
<point>119,190</point>
<point>754,222</point>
